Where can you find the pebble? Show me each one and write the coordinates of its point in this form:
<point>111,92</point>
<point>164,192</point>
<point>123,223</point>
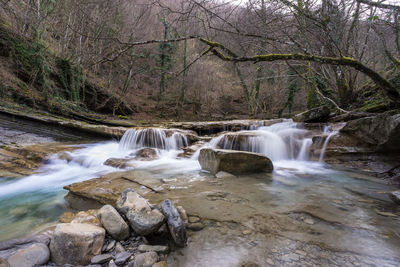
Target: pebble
<point>303,253</point>
<point>193,219</point>
<point>309,221</point>
<point>119,248</point>
<point>246,232</point>
<point>269,261</point>
<point>112,264</point>
<point>122,257</point>
<point>147,248</point>
<point>102,258</point>
<point>110,245</point>
<point>196,226</point>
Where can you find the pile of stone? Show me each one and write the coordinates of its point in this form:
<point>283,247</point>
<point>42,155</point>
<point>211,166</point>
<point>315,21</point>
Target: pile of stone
<point>116,237</point>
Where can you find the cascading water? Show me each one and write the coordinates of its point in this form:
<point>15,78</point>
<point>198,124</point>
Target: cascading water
<point>280,141</point>
<point>166,139</point>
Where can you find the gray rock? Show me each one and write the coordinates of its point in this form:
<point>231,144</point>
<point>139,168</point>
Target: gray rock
<point>113,223</point>
<point>76,243</point>
<point>142,217</point>
<point>395,196</point>
<point>119,248</point>
<point>112,264</point>
<point>232,161</point>
<point>196,226</point>
<point>109,246</point>
<point>102,258</point>
<point>148,248</point>
<point>122,257</point>
<point>34,255</point>
<point>175,224</point>
<point>146,259</point>
<point>318,114</point>
<point>7,248</point>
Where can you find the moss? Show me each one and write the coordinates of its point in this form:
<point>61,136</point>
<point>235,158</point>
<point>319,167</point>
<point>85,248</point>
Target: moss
<point>71,78</point>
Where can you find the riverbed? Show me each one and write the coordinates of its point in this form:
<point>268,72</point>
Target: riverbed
<point>305,213</point>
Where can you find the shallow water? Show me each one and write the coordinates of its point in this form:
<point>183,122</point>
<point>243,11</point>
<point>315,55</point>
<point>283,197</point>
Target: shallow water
<point>327,210</point>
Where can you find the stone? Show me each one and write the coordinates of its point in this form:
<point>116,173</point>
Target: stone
<point>395,196</point>
<point>4,263</point>
<point>34,255</point>
<point>118,163</point>
<point>109,246</point>
<point>122,257</point>
<point>196,226</point>
<point>101,259</point>
<point>112,264</point>
<point>175,224</point>
<point>318,114</point>
<point>113,223</point>
<point>8,248</point>
<point>142,217</point>
<point>76,243</point>
<point>183,214</point>
<point>232,161</point>
<point>147,153</point>
<point>160,264</point>
<point>146,259</point>
<point>309,221</point>
<point>224,175</point>
<point>119,248</point>
<point>148,248</point>
<point>194,219</point>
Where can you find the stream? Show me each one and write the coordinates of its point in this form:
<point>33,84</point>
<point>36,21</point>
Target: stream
<point>302,211</point>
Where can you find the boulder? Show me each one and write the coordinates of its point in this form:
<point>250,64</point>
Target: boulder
<point>75,243</point>
<point>395,196</point>
<point>175,224</point>
<point>318,114</point>
<point>146,259</point>
<point>381,132</point>
<point>232,161</point>
<point>34,255</point>
<point>113,223</point>
<point>147,153</point>
<point>142,217</point>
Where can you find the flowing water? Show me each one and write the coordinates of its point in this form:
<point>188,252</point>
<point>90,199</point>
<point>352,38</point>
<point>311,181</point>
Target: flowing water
<point>342,206</point>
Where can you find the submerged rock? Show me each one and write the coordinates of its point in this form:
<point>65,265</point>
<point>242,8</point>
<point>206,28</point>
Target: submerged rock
<point>118,163</point>
<point>175,224</point>
<point>34,255</point>
<point>76,243</point>
<point>318,114</point>
<point>147,153</point>
<point>142,218</point>
<point>113,223</point>
<point>395,196</point>
<point>235,162</point>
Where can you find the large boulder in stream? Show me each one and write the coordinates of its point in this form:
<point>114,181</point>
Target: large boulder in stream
<point>318,114</point>
<point>142,217</point>
<point>232,161</point>
<point>75,243</point>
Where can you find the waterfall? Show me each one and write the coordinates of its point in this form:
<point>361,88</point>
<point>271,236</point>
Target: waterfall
<point>324,146</point>
<point>280,141</point>
<point>166,139</point>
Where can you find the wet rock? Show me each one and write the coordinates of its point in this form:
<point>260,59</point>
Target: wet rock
<point>113,223</point>
<point>122,257</point>
<point>395,196</point>
<point>118,163</point>
<point>194,219</point>
<point>76,243</point>
<point>101,259</point>
<point>160,264</point>
<point>109,246</point>
<point>318,114</point>
<point>148,248</point>
<point>146,259</point>
<point>235,162</point>
<point>4,263</point>
<point>147,153</point>
<point>196,226</point>
<point>142,217</point>
<point>175,224</point>
<point>112,264</point>
<point>182,213</point>
<point>34,255</point>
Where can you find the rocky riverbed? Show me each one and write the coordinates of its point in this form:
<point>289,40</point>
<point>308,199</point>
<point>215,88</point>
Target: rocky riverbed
<point>304,213</point>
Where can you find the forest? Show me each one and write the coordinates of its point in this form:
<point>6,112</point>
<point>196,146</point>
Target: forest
<point>200,59</point>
